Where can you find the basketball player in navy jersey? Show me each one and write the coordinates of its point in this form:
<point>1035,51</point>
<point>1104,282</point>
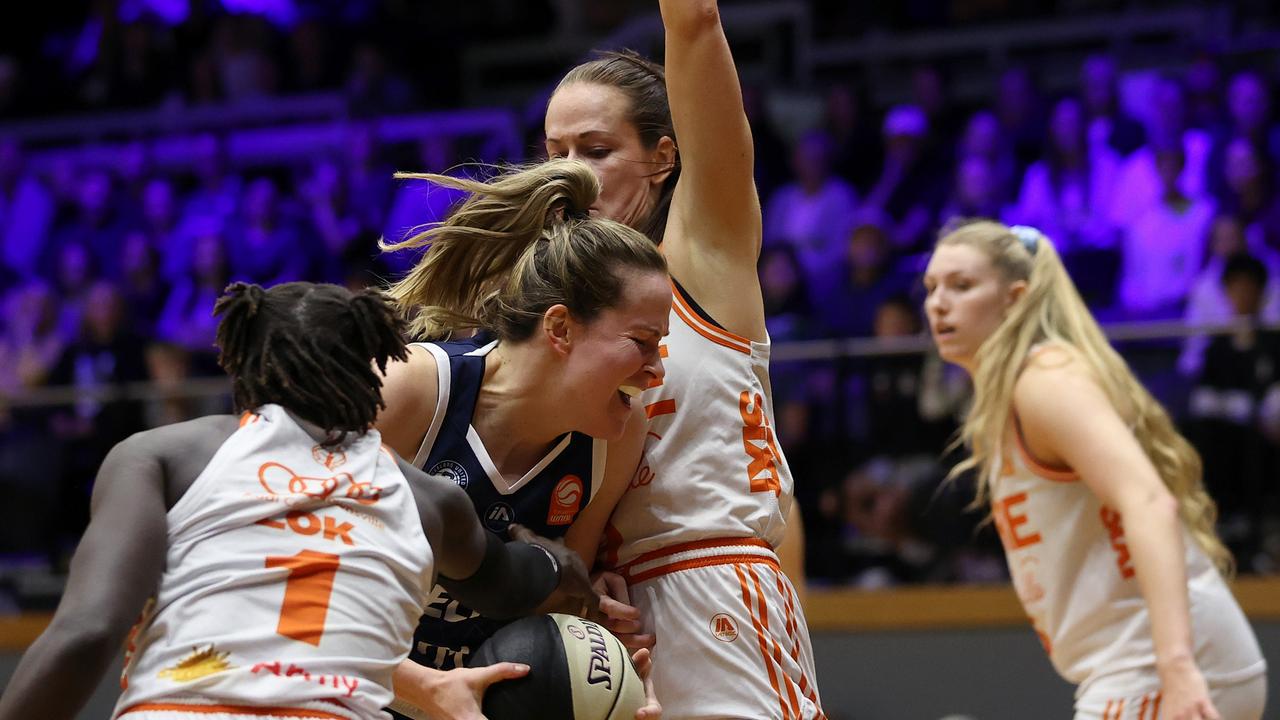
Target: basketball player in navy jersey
<point>570,311</point>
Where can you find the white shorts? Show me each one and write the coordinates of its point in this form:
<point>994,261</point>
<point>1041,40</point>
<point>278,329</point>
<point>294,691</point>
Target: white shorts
<point>731,638</point>
<point>1240,700</point>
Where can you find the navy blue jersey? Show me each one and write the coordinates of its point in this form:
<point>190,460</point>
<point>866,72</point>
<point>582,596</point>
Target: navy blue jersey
<point>546,500</point>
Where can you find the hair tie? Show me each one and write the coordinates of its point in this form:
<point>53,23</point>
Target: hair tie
<point>1028,236</point>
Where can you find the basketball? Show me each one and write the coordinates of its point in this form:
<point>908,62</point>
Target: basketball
<point>578,670</point>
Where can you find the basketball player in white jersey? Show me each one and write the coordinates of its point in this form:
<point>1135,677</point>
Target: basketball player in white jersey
<point>695,536</point>
<point>568,312</point>
<point>275,563</point>
<point>1099,502</point>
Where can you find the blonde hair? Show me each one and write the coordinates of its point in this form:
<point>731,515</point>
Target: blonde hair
<point>1052,311</point>
<point>519,243</point>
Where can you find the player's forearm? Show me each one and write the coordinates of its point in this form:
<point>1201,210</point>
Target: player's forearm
<point>58,674</point>
<point>513,580</point>
<point>1153,532</point>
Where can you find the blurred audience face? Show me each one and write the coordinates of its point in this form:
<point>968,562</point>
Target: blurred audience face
<point>1169,164</point>
<point>1015,97</point>
<point>896,319</point>
<point>811,160</point>
<point>1226,236</point>
<point>1242,167</point>
<point>868,247</point>
<point>103,312</point>
<point>31,310</point>
<point>981,135</point>
<point>1097,84</point>
<point>260,202</point>
<point>209,260</point>
<point>779,275</point>
<point>1169,113</point>
<point>209,160</point>
<point>1066,127</point>
<point>75,267</point>
<point>1244,294</point>
<point>159,206</point>
<point>95,195</point>
<point>137,259</point>
<point>1247,103</point>
<point>975,185</point>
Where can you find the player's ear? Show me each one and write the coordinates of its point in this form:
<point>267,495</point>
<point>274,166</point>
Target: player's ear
<point>557,328</point>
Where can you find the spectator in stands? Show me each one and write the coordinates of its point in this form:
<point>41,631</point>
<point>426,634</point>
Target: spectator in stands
<point>30,343</point>
<point>311,58</point>
<point>74,271</point>
<point>99,222</point>
<point>105,355</point>
<point>811,213</point>
<point>848,120</point>
<point>1139,187</point>
<point>242,57</point>
<point>911,183</point>
<point>880,543</point>
<point>1208,302</point>
<point>216,197</point>
<point>1249,190</point>
<point>1067,192</point>
<point>975,191</point>
<point>1249,112</point>
<point>332,220</point>
<point>982,138</point>
<point>141,284</point>
<point>1021,114</point>
<point>265,244</point>
<point>1204,94</point>
<point>1239,369</point>
<point>847,292</point>
<point>375,88</point>
<point>367,178</point>
<point>771,152</point>
<point>160,226</point>
<point>187,319</point>
<point>1107,123</point>
<point>26,212</point>
<point>418,202</point>
<point>1164,244</point>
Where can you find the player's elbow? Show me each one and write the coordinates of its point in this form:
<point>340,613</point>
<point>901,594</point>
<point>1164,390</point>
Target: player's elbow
<point>691,17</point>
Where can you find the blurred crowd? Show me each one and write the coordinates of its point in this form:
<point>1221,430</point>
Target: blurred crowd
<point>1159,188</point>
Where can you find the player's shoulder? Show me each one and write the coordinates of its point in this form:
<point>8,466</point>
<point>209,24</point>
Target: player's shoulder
<point>183,437</point>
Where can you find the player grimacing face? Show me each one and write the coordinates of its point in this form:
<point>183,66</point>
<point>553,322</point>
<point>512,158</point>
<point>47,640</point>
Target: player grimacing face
<point>589,122</point>
<point>615,356</point>
<point>966,300</point>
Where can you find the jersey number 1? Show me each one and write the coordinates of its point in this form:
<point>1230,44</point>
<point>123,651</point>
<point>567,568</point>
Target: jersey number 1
<point>306,594</point>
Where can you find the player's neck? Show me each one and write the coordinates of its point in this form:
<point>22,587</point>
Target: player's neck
<point>515,415</point>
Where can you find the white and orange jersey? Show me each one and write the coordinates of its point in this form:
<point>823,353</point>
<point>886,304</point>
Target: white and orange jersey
<point>294,577</point>
<point>1075,576</point>
<point>713,468</point>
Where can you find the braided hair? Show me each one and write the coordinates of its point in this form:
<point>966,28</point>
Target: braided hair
<point>308,347</point>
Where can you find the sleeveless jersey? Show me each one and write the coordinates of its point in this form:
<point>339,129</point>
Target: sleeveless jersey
<point>713,467</point>
<point>546,499</point>
<point>1073,572</point>
<point>293,578</point>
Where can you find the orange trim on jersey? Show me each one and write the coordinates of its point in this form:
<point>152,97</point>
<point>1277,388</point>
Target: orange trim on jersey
<point>1056,474</point>
<point>693,563</point>
<point>776,646</point>
<point>280,712</point>
<point>247,417</point>
<point>662,407</point>
<point>1118,713</point>
<point>716,335</point>
<point>793,635</point>
<point>663,351</point>
<point>764,652</point>
<point>698,545</point>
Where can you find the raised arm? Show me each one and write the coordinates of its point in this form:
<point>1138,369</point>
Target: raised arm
<point>713,232</point>
<point>1067,419</point>
<point>115,569</point>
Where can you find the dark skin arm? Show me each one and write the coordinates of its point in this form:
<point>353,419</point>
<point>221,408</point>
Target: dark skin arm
<point>116,568</point>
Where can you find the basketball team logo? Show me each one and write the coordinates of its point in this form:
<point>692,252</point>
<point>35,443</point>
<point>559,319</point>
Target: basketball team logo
<point>281,481</point>
<point>330,459</point>
<point>566,499</point>
<point>499,516</point>
<point>451,470</point>
<point>723,628</point>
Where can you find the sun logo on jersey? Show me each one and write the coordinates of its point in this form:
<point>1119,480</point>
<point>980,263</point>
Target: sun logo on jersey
<point>279,480</point>
<point>330,459</point>
<point>199,664</point>
<point>566,500</point>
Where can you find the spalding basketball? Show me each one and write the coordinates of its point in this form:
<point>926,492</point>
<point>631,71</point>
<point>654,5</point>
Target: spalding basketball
<point>577,671</point>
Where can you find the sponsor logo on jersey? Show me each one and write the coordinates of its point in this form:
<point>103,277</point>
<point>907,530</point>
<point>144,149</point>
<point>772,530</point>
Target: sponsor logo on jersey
<point>330,459</point>
<point>451,470</point>
<point>723,628</point>
<point>566,500</point>
<point>281,481</point>
<point>499,516</point>
<point>199,664</point>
